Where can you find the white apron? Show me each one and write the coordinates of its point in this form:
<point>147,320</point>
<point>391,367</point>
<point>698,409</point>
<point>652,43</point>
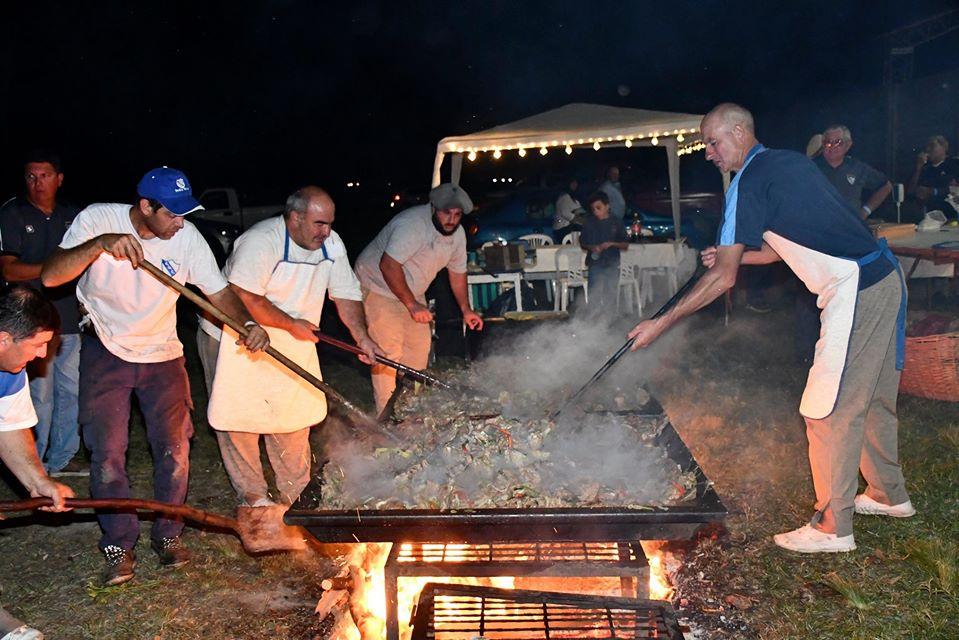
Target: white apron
<point>836,281</point>
<point>254,393</point>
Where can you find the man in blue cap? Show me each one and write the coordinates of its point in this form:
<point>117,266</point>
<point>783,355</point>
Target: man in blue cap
<point>130,345</point>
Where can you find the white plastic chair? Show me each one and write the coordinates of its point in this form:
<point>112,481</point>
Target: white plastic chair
<point>628,279</point>
<point>570,273</point>
<point>571,238</point>
<point>534,240</point>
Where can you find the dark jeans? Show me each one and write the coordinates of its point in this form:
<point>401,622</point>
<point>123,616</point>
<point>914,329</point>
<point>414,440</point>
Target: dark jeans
<point>603,286</point>
<point>163,391</point>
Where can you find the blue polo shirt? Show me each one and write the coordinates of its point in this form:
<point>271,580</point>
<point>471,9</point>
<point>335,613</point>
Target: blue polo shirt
<point>784,192</point>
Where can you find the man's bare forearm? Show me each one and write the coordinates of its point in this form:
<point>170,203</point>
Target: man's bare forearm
<point>352,314</point>
<point>878,197</point>
<point>765,255</point>
<point>459,284</point>
<point>263,311</point>
<point>65,265</point>
<point>229,303</point>
<point>396,280</point>
<point>15,270</point>
<point>19,453</point>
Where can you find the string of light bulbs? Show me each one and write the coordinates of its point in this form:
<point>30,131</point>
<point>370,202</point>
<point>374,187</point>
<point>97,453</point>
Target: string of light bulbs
<point>472,153</point>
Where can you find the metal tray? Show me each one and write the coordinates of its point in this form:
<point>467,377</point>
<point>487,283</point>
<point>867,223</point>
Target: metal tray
<point>506,525</point>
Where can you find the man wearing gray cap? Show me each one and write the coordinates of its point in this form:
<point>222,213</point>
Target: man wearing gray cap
<point>396,268</point>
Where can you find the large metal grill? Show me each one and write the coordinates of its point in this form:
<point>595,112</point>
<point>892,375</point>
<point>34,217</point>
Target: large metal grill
<point>678,522</point>
<point>464,612</point>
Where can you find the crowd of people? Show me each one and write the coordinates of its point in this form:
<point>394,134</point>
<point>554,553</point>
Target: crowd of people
<point>83,328</point>
<point>96,328</point>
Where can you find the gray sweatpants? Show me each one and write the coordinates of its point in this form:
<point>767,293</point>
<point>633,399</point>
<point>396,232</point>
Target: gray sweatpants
<point>289,453</point>
<point>861,434</point>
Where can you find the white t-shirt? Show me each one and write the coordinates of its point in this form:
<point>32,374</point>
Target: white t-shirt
<point>134,313</point>
<point>566,209</point>
<point>261,261</point>
<point>16,407</point>
<point>411,239</point>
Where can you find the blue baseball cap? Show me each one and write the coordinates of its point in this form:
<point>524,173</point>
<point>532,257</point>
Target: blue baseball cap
<point>171,188</point>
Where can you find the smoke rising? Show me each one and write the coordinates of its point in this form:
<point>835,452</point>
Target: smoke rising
<point>494,446</point>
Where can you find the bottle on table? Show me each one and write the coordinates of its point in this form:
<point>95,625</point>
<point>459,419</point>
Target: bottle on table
<point>636,229</point>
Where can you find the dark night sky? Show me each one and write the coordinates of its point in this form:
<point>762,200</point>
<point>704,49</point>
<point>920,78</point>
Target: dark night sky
<point>269,95</point>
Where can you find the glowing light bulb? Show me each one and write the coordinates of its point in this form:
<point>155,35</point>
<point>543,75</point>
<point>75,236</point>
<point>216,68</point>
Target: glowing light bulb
<point>471,156</point>
<point>680,138</point>
<point>497,155</point>
<point>569,150</point>
<point>596,146</point>
<point>542,151</point>
<point>522,152</point>
<point>629,142</point>
<point>654,141</point>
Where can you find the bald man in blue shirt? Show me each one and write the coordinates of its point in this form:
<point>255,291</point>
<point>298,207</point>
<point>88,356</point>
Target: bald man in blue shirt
<point>780,207</point>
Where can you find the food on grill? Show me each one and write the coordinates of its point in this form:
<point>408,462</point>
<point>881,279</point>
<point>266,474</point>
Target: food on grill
<point>467,450</point>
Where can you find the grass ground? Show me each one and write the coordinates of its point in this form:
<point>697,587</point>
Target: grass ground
<point>731,392</point>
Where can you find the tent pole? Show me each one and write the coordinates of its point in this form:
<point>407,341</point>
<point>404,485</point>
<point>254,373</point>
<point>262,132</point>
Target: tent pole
<point>457,168</point>
<point>672,160</point>
<point>437,166</point>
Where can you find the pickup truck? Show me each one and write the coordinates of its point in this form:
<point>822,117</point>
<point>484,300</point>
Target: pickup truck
<point>223,219</point>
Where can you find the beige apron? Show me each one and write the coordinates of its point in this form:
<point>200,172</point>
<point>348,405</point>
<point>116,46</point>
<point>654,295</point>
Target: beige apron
<point>254,393</point>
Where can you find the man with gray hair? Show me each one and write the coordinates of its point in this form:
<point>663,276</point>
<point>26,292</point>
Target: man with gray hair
<point>395,271</point>
<point>780,207</point>
<point>850,176</point>
<point>282,269</point>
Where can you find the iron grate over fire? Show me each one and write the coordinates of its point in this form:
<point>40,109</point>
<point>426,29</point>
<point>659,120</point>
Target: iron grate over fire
<point>483,473</point>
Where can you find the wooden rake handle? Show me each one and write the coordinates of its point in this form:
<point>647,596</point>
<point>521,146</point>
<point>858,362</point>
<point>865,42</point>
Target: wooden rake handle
<point>129,504</point>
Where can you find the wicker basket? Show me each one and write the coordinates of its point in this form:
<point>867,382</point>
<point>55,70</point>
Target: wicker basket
<point>932,367</point>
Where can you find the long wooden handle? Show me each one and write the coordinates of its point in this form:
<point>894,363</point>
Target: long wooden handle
<point>129,504</point>
<point>240,329</point>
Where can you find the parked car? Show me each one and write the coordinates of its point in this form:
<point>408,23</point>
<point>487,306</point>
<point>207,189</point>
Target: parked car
<point>223,219</point>
<point>531,211</point>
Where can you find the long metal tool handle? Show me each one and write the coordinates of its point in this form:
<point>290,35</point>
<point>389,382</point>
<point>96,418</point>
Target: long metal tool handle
<point>629,343</point>
<point>399,366</point>
<point>240,329</point>
<point>183,511</point>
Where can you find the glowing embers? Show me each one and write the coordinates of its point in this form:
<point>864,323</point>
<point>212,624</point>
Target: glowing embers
<point>595,567</point>
<point>459,612</point>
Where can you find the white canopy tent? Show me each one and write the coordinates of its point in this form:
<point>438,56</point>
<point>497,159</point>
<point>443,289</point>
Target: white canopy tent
<point>581,125</point>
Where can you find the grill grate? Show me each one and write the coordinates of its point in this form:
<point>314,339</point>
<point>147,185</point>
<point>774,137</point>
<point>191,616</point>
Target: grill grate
<point>628,552</point>
<point>465,612</point>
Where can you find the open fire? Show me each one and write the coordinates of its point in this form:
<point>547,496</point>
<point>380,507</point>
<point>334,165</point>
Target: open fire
<point>368,589</point>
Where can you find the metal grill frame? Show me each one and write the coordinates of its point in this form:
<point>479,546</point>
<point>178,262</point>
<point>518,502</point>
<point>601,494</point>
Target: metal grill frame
<point>526,525</point>
<point>658,615</point>
<point>626,562</point>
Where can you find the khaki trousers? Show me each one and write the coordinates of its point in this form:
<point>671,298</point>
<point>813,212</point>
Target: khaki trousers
<point>400,337</point>
<point>289,453</point>
<point>861,434</point>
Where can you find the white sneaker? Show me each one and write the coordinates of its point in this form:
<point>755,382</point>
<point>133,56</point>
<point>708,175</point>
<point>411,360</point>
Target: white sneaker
<point>867,506</point>
<point>808,539</point>
<point>23,633</point>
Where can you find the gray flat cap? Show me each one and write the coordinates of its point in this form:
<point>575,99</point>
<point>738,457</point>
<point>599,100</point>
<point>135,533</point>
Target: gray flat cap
<point>450,196</point>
